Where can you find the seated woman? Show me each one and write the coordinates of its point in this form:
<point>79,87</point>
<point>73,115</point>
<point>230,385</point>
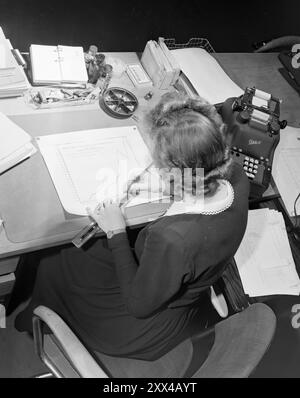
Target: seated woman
<point>140,303</point>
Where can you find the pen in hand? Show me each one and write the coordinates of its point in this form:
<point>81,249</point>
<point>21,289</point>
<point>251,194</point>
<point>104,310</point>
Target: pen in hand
<point>93,228</point>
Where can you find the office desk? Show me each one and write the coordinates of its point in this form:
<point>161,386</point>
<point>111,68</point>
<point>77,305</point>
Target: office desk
<point>41,220</point>
<point>29,205</point>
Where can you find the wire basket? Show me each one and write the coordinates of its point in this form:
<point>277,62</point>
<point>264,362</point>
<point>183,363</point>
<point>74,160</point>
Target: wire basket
<point>193,42</point>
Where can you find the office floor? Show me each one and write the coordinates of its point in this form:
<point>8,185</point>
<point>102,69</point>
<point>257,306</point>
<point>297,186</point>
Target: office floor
<point>17,356</point>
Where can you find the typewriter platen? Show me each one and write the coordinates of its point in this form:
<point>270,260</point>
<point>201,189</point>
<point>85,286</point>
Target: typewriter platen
<point>253,134</point>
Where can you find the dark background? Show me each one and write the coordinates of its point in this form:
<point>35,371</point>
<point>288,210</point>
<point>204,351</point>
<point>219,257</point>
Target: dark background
<point>116,25</point>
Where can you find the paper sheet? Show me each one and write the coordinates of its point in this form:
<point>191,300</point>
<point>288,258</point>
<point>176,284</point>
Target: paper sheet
<point>12,137</point>
<point>45,67</point>
<point>18,156</point>
<point>286,167</point>
<point>73,68</point>
<point>15,143</point>
<point>264,258</point>
<point>86,166</point>
<point>7,60</point>
<point>206,75</point>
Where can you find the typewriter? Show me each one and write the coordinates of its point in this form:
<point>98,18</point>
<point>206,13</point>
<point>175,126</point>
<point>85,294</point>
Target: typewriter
<point>253,134</point>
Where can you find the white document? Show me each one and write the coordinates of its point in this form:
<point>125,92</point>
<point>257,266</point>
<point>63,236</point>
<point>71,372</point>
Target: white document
<point>73,68</point>
<point>286,168</point>
<point>13,81</point>
<point>44,64</point>
<point>264,258</point>
<point>16,157</point>
<point>15,144</point>
<point>7,60</point>
<point>206,75</point>
<point>87,166</point>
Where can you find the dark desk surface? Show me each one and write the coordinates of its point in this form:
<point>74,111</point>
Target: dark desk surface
<point>262,71</point>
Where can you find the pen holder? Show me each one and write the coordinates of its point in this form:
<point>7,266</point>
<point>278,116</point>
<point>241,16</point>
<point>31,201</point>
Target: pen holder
<point>48,98</point>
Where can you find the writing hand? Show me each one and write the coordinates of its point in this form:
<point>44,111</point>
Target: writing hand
<point>108,216</point>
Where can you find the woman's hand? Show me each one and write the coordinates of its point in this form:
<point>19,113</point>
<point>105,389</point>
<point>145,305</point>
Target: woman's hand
<point>108,216</point>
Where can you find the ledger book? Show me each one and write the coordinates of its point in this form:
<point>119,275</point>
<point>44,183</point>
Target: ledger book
<point>57,64</point>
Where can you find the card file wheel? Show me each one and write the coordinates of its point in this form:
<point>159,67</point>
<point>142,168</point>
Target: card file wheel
<point>118,102</point>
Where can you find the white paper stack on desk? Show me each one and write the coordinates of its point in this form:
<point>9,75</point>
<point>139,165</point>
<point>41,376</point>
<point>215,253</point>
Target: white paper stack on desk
<point>264,258</point>
<point>13,81</point>
<point>15,144</point>
<point>203,72</point>
<point>286,168</point>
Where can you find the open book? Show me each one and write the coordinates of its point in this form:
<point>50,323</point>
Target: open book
<point>57,64</point>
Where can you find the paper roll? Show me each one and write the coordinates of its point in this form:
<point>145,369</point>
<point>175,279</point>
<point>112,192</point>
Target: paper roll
<point>262,95</point>
<point>261,116</point>
<point>259,102</point>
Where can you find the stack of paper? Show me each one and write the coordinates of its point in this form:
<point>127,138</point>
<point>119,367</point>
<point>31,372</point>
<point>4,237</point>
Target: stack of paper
<point>286,168</point>
<point>206,75</point>
<point>13,81</point>
<point>264,258</point>
<point>15,144</point>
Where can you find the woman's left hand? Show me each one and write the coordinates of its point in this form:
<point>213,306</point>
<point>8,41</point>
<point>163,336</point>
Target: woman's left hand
<point>108,216</point>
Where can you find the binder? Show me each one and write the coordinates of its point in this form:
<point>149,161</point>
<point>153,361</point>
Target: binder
<point>156,62</point>
<point>171,59</point>
<point>13,81</point>
<point>57,64</point>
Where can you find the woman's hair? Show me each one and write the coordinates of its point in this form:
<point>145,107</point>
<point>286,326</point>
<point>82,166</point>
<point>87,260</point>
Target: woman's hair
<point>189,133</point>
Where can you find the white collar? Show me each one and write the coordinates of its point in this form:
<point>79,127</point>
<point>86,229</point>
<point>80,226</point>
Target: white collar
<point>219,202</point>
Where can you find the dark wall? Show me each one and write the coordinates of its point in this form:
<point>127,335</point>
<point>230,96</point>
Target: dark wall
<point>126,25</point>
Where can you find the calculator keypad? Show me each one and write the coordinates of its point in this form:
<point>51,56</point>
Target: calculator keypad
<point>250,165</point>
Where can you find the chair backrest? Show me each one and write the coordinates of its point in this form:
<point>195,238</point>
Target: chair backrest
<point>279,43</point>
<point>240,343</point>
<point>172,365</point>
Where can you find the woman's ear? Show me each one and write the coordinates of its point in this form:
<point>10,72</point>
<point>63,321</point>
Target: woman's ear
<point>224,130</point>
<point>226,134</point>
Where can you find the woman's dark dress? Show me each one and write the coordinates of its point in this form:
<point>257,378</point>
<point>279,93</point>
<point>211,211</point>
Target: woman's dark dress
<point>123,307</point>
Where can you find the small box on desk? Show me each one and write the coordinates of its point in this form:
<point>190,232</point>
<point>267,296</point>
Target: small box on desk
<point>138,76</point>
